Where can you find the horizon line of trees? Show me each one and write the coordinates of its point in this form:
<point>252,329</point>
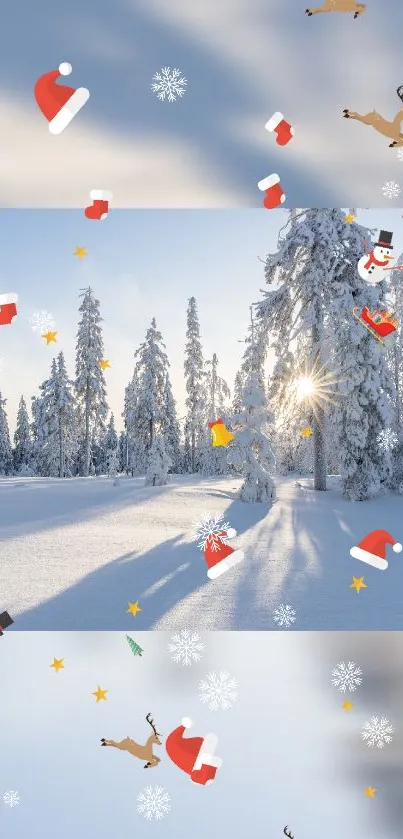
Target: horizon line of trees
<point>305,316</point>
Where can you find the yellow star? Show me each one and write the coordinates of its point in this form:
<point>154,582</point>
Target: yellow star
<point>370,792</point>
<point>104,363</point>
<point>57,664</point>
<point>347,705</point>
<point>80,252</point>
<point>358,583</point>
<point>306,432</point>
<point>100,694</point>
<point>50,336</point>
<point>134,608</point>
<point>349,218</point>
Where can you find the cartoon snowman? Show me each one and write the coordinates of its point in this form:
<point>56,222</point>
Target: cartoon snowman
<point>373,265</point>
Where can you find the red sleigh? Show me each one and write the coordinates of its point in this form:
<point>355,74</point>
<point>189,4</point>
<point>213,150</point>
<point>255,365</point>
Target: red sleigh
<point>379,323</point>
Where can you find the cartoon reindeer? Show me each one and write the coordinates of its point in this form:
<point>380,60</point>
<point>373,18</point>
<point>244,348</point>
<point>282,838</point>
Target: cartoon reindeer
<point>381,125</point>
<point>136,749</point>
<point>338,6</point>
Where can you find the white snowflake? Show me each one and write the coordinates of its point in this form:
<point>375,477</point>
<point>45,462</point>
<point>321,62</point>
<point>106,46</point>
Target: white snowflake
<point>391,189</point>
<point>399,154</point>
<point>186,647</point>
<point>346,676</point>
<point>11,798</point>
<point>210,530</point>
<point>218,691</point>
<point>377,732</point>
<point>153,803</point>
<point>42,321</point>
<point>387,439</point>
<point>284,615</point>
<point>169,84</point>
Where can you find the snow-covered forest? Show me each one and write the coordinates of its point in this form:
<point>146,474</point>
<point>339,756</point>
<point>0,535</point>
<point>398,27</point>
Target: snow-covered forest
<point>331,404</point>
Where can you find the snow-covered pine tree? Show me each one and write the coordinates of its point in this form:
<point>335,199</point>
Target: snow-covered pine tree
<point>363,381</point>
<point>90,380</point>
<point>214,459</point>
<point>170,427</point>
<point>122,452</point>
<point>54,423</point>
<point>159,463</point>
<point>150,370</point>
<point>395,362</point>
<point>238,393</point>
<point>109,445</point>
<point>195,421</point>
<point>6,455</point>
<point>250,452</point>
<point>135,454</point>
<point>23,447</point>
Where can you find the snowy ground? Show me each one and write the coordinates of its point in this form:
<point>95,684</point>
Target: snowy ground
<point>73,553</point>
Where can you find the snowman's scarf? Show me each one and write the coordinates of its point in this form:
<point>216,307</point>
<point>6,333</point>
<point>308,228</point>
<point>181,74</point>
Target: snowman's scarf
<point>372,260</point>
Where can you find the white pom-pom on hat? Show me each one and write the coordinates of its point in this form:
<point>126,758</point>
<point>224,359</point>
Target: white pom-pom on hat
<point>397,547</point>
<point>187,722</point>
<point>65,68</point>
<point>231,533</point>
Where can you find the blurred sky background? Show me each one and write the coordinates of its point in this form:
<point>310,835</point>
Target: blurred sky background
<point>243,61</point>
<point>291,755</point>
<point>140,264</point>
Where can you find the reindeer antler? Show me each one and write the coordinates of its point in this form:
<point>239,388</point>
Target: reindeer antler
<point>289,834</point>
<point>151,722</point>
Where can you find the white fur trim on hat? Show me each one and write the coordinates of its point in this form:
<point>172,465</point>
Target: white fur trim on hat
<point>231,533</point>
<point>268,182</point>
<point>397,547</point>
<point>206,755</point>
<point>69,110</point>
<point>187,722</point>
<point>65,68</point>
<point>221,567</point>
<point>101,195</point>
<point>274,121</point>
<point>370,559</point>
<point>8,298</point>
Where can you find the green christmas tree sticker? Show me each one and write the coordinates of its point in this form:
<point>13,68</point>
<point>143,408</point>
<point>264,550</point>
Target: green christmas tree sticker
<point>136,650</point>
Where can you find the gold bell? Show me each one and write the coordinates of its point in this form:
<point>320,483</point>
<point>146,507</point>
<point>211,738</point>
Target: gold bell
<point>220,434</point>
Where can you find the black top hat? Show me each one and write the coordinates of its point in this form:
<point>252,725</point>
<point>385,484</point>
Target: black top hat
<point>385,239</point>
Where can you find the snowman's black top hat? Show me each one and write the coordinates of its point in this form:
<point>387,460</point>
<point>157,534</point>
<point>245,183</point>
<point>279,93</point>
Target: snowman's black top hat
<point>385,239</point>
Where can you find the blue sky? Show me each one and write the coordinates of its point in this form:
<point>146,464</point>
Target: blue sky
<point>140,264</point>
<point>243,61</point>
<point>291,754</point>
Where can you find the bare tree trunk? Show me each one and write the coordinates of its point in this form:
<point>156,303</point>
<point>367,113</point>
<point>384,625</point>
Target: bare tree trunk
<point>319,453</point>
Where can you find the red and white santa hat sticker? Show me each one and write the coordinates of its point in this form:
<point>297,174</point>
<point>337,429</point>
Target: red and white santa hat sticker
<point>59,103</point>
<point>194,755</point>
<point>8,308</point>
<point>372,549</point>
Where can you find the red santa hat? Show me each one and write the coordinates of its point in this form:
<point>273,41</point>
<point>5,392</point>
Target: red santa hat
<point>59,104</point>
<point>372,549</point>
<point>194,755</point>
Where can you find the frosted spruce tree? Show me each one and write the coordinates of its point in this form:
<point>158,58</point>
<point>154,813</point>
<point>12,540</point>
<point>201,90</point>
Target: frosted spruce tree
<point>90,380</point>
<point>23,447</point>
<point>151,366</point>
<point>250,452</point>
<point>54,423</point>
<point>305,277</point>
<point>195,420</point>
<point>364,386</point>
<point>159,463</point>
<point>170,427</point>
<point>6,455</point>
<point>214,459</point>
<point>110,450</point>
<point>393,440</point>
<point>135,450</point>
